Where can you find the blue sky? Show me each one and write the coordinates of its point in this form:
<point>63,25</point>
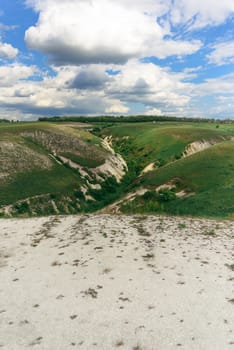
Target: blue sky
<point>156,57</point>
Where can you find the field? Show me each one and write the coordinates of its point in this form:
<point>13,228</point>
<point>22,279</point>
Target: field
<point>206,176</point>
<point>173,167</point>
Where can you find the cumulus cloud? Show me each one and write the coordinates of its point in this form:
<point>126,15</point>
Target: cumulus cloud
<point>150,85</point>
<point>153,111</point>
<point>117,108</point>
<point>72,90</point>
<point>12,73</point>
<point>156,89</point>
<point>7,51</point>
<point>223,53</point>
<point>102,31</point>
<point>50,96</point>
<point>216,86</point>
<point>92,78</point>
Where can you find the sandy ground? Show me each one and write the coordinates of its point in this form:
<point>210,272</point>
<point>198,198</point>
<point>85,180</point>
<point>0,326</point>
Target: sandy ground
<point>116,282</point>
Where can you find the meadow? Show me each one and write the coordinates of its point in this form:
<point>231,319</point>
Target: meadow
<point>183,167</point>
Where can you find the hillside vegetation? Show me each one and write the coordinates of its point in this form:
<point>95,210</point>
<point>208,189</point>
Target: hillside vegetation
<point>174,167</point>
<point>49,169</point>
<point>179,168</point>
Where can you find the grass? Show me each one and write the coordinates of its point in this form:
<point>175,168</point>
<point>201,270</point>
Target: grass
<point>161,142</point>
<point>37,178</point>
<point>89,162</point>
<point>207,177</point>
<point>210,233</point>
<point>231,266</point>
<point>208,174</point>
<point>182,226</point>
<point>36,182</point>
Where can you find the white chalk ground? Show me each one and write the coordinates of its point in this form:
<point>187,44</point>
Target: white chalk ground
<point>116,282</point>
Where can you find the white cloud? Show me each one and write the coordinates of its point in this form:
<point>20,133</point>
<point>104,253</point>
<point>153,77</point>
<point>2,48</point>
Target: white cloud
<point>85,39</point>
<point>5,27</point>
<point>223,53</point>
<point>200,13</point>
<point>153,111</point>
<point>216,86</point>
<point>117,108</point>
<point>13,73</point>
<point>102,31</point>
<point>50,96</point>
<point>149,84</point>
<point>90,77</point>
<point>7,51</point>
<point>151,88</point>
<point>212,98</point>
<point>181,48</point>
<point>143,83</point>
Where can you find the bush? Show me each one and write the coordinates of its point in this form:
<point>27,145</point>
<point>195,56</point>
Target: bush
<point>22,208</point>
<point>166,195</point>
<point>79,194</point>
<point>150,195</point>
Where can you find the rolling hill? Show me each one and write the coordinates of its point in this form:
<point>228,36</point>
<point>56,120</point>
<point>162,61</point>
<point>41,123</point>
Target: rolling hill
<point>49,169</point>
<point>174,167</point>
<point>180,168</point>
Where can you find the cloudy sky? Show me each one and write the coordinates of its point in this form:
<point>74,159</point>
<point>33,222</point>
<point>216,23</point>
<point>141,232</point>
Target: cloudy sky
<point>152,57</point>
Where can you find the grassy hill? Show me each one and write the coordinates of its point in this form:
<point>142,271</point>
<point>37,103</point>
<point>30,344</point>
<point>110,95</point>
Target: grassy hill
<point>199,185</point>
<point>162,142</point>
<point>190,168</point>
<point>49,169</point>
<point>175,167</point>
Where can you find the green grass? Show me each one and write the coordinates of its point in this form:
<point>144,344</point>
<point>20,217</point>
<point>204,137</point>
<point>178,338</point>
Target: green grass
<point>88,162</point>
<point>208,174</point>
<point>161,142</point>
<point>32,183</point>
<point>11,129</point>
<point>201,171</point>
<point>61,182</point>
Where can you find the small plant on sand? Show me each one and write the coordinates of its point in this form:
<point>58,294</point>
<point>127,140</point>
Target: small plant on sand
<point>210,233</point>
<point>137,347</point>
<point>91,292</point>
<point>55,263</point>
<point>141,218</point>
<point>142,231</point>
<point>181,226</point>
<point>106,270</point>
<point>231,267</point>
<point>119,343</point>
<point>148,256</point>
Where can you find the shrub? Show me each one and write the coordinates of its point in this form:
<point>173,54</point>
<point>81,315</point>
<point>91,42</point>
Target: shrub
<point>166,195</point>
<point>22,207</point>
<point>79,194</point>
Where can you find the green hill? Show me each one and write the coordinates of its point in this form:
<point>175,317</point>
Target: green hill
<point>49,169</point>
<point>174,167</point>
<point>180,168</point>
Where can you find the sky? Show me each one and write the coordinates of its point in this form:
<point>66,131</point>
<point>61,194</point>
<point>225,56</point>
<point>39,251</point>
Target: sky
<point>108,57</point>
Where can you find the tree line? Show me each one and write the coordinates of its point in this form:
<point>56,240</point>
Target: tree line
<point>129,119</point>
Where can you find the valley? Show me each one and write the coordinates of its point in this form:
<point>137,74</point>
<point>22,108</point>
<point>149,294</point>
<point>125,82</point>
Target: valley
<point>171,167</point>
